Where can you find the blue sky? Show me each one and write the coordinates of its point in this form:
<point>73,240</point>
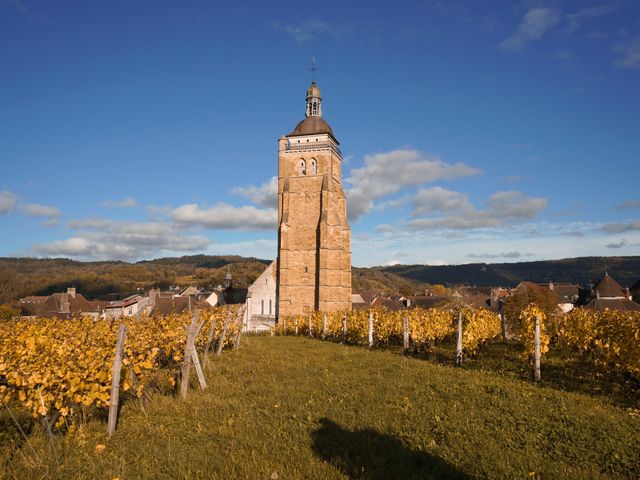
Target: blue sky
<point>472,131</point>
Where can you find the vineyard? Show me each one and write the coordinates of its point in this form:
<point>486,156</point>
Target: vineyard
<point>275,391</point>
<point>611,338</point>
<point>56,368</point>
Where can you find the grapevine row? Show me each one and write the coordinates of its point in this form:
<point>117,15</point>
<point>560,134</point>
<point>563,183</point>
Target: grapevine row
<point>53,365</point>
<point>426,326</point>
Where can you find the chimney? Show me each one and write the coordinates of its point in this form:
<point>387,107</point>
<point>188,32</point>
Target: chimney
<point>153,294</point>
<point>71,291</point>
<point>628,293</point>
<point>64,303</point>
<point>551,286</point>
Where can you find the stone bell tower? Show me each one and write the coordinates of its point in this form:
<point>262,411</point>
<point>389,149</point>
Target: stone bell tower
<point>314,238</point>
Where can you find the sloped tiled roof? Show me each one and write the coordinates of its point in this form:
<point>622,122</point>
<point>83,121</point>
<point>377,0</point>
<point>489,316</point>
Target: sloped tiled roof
<point>425,301</point>
<point>566,292</point>
<point>165,306</point>
<point>624,304</point>
<point>608,287</point>
<point>390,303</point>
<point>368,297</point>
<point>51,306</point>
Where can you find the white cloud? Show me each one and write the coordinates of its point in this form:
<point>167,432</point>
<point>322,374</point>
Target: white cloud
<point>629,51</point>
<point>622,243</point>
<point>226,217</point>
<point>534,25</point>
<point>427,247</point>
<point>394,204</point>
<point>265,195</point>
<point>312,29</point>
<point>7,201</point>
<point>502,208</point>
<point>38,210</point>
<point>576,19</point>
<point>99,239</point>
<point>124,203</point>
<point>620,227</point>
<point>438,199</point>
<point>261,248</point>
<point>387,173</point>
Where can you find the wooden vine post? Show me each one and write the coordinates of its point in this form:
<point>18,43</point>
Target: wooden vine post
<point>241,315</point>
<point>536,352</point>
<point>310,325</point>
<point>370,329</point>
<point>115,381</point>
<point>459,342</point>
<point>223,335</point>
<point>344,329</point>
<point>284,325</point>
<point>190,355</point>
<point>405,334</point>
<point>295,325</point>
<point>324,326</point>
<point>503,324</point>
<point>210,334</point>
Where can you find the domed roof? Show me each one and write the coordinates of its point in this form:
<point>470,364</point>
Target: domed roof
<point>312,126</point>
<point>313,91</point>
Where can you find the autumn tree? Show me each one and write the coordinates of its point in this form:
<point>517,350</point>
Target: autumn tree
<point>524,295</point>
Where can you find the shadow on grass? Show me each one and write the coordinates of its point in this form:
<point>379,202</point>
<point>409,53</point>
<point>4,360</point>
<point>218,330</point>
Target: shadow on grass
<point>562,369</point>
<point>369,455</point>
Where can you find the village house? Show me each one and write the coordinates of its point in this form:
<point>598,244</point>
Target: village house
<point>128,307</point>
<point>59,305</point>
<point>261,301</point>
<point>608,294</point>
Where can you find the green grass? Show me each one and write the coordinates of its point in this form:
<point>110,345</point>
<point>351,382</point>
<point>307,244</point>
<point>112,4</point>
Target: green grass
<point>295,408</point>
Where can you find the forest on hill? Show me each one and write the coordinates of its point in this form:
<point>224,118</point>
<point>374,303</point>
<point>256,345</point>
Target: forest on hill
<point>581,270</point>
<point>108,280</point>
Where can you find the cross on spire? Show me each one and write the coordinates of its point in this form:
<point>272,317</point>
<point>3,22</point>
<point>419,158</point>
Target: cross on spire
<point>314,67</point>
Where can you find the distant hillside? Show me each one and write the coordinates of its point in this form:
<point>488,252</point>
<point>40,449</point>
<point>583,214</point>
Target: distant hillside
<point>373,279</point>
<point>582,270</point>
<point>20,277</point>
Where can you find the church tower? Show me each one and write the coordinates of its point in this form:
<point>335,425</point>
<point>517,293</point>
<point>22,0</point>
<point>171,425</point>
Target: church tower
<point>314,238</point>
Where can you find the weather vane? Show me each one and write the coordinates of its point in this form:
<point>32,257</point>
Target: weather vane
<point>314,67</point>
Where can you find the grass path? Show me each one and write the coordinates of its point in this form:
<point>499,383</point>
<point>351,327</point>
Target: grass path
<point>294,408</point>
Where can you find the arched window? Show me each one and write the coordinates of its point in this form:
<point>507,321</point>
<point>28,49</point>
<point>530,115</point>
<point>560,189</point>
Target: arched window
<point>261,307</point>
<point>269,306</point>
<point>302,167</point>
<point>313,169</point>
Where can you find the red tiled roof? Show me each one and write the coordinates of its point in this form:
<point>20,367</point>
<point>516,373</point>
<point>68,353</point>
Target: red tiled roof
<point>608,287</point>
<point>624,304</point>
<point>425,301</point>
<point>34,298</point>
<point>165,306</point>
<point>51,306</point>
<point>389,303</point>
